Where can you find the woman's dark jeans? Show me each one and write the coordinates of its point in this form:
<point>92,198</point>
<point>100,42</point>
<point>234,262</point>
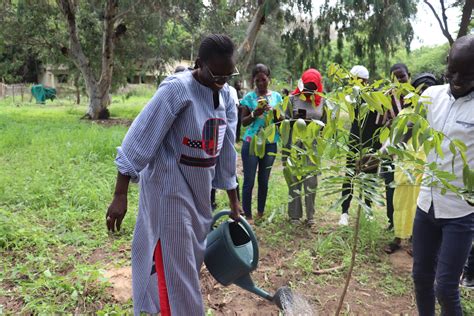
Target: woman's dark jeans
<point>469,267</point>
<point>440,249</point>
<point>250,163</point>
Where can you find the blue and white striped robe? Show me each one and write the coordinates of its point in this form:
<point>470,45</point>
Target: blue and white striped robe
<point>179,147</point>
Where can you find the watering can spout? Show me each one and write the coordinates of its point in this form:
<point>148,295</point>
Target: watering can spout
<point>246,283</point>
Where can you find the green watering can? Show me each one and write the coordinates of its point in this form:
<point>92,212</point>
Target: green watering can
<point>232,253</point>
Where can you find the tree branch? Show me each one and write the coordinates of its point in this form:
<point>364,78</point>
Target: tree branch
<point>125,12</point>
<point>443,14</point>
<point>466,17</point>
<point>248,43</point>
<point>445,31</point>
<point>108,45</point>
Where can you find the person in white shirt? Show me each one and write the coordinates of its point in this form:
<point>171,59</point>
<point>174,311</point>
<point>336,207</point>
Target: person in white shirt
<point>444,224</point>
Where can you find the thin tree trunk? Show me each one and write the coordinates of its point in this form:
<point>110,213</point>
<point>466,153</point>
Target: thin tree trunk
<point>357,223</point>
<point>248,44</point>
<point>78,90</point>
<point>353,257</point>
<point>108,45</point>
<point>98,90</point>
<point>78,57</point>
<point>466,17</point>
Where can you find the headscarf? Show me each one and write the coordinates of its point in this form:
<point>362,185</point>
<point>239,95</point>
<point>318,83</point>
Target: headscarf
<point>424,78</point>
<point>311,75</point>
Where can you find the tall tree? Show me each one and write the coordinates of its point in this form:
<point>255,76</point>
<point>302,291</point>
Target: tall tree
<point>370,27</point>
<point>98,88</point>
<point>466,6</point>
<point>104,41</point>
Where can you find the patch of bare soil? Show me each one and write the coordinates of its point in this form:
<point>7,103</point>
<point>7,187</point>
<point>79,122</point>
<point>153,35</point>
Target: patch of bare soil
<point>121,280</point>
<point>10,301</point>
<point>401,261</point>
<point>113,122</point>
<point>276,270</point>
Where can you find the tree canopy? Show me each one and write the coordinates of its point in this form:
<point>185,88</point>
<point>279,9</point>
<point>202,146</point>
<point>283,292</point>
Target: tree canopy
<point>136,36</point>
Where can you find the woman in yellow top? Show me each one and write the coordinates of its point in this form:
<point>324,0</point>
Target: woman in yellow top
<point>406,190</point>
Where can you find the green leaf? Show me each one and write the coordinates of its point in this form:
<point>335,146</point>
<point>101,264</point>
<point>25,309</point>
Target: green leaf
<point>47,273</point>
<point>260,144</point>
<point>452,148</point>
<point>272,133</point>
<point>253,146</point>
<point>438,139</point>
<point>287,175</point>
<point>383,99</point>
<point>471,181</point>
<point>285,103</point>
<point>465,176</point>
<point>285,131</point>
<point>372,102</point>
<point>351,112</point>
<point>399,130</point>
<point>459,144</point>
<point>414,135</point>
<point>384,134</point>
<point>299,129</point>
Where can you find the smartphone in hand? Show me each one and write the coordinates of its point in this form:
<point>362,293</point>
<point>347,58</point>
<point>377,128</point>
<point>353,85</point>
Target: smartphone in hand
<point>262,103</point>
<point>302,113</point>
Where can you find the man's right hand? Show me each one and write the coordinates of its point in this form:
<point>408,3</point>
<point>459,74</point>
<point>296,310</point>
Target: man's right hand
<point>116,212</point>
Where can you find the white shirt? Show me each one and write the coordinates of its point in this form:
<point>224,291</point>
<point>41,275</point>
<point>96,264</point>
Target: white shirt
<point>455,119</point>
<point>312,112</point>
<point>233,94</point>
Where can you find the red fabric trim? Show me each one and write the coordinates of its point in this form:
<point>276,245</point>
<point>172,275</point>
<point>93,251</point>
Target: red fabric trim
<point>165,309</point>
<point>185,141</point>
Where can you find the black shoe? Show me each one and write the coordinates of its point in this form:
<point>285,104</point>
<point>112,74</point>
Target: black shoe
<point>467,282</point>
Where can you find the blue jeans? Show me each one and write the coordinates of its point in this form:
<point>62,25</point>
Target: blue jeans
<point>440,249</point>
<point>250,163</point>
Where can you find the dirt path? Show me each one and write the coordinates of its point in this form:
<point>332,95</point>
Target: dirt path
<point>274,272</point>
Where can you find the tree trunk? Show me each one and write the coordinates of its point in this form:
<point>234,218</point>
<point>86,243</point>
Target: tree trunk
<point>98,90</point>
<point>108,46</point>
<point>98,102</point>
<point>248,44</point>
<point>466,17</point>
<point>78,90</point>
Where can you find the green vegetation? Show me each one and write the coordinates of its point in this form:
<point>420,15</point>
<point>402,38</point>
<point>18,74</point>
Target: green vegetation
<point>56,181</point>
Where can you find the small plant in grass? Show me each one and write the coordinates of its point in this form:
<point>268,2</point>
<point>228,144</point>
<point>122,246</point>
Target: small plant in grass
<point>304,261</point>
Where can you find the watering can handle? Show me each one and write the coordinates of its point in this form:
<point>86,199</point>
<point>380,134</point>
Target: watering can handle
<point>248,228</point>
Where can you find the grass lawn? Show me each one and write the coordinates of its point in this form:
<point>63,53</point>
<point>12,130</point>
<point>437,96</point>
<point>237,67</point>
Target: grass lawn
<point>56,181</point>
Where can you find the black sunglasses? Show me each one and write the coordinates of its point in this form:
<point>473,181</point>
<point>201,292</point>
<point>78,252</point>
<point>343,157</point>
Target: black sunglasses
<point>223,78</point>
